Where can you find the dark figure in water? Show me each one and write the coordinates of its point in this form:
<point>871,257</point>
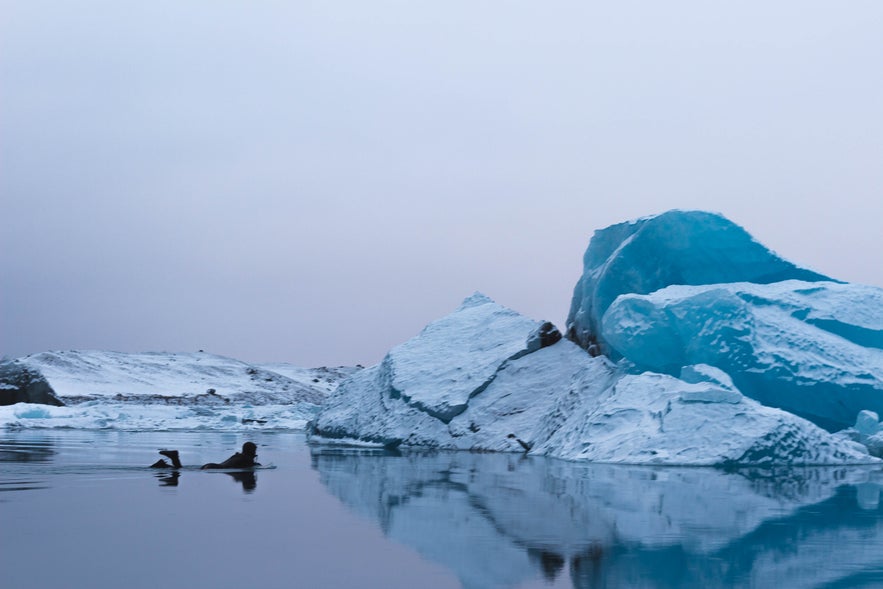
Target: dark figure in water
<point>244,459</point>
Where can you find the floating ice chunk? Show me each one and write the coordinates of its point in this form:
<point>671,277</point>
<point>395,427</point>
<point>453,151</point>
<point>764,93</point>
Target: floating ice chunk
<point>29,411</point>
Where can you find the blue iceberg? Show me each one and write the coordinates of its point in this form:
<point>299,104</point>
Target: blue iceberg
<point>689,287</point>
<point>677,247</point>
<point>688,343</point>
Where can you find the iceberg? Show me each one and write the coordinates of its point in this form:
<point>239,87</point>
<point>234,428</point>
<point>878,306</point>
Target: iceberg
<point>688,342</point>
<point>559,401</point>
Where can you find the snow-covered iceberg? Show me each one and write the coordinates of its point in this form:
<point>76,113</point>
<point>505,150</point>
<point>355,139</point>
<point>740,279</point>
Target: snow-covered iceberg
<point>480,379</point>
<point>164,391</point>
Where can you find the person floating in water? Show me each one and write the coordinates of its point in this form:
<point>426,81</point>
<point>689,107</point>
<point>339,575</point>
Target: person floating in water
<point>244,459</point>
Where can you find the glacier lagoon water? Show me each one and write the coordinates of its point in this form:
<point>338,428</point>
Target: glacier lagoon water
<point>78,509</point>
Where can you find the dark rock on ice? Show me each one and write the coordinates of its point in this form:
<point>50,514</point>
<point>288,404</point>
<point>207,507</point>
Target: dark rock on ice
<point>21,384</point>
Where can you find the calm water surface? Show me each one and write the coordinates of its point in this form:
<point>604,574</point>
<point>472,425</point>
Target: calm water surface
<point>79,509</point>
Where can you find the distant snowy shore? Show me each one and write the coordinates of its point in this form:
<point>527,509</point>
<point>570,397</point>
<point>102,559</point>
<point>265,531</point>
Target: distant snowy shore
<point>166,391</point>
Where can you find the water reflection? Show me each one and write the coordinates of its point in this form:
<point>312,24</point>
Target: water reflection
<point>31,451</point>
<point>168,479</point>
<point>248,479</point>
<point>501,520</point>
<point>38,450</point>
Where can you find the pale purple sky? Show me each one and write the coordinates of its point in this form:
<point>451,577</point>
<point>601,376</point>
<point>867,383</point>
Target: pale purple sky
<point>313,182</point>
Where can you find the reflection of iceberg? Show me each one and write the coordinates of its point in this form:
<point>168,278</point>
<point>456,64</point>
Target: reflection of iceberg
<point>37,450</point>
<point>500,520</point>
<point>15,452</point>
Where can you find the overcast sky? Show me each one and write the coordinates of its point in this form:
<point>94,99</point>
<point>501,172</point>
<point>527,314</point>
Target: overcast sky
<point>313,182</point>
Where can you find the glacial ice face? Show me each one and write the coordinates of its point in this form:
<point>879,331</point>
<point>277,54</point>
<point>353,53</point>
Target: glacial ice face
<point>559,401</point>
<point>814,349</point>
<point>677,247</point>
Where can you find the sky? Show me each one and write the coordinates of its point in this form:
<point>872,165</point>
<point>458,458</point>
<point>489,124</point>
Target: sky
<point>313,182</point>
